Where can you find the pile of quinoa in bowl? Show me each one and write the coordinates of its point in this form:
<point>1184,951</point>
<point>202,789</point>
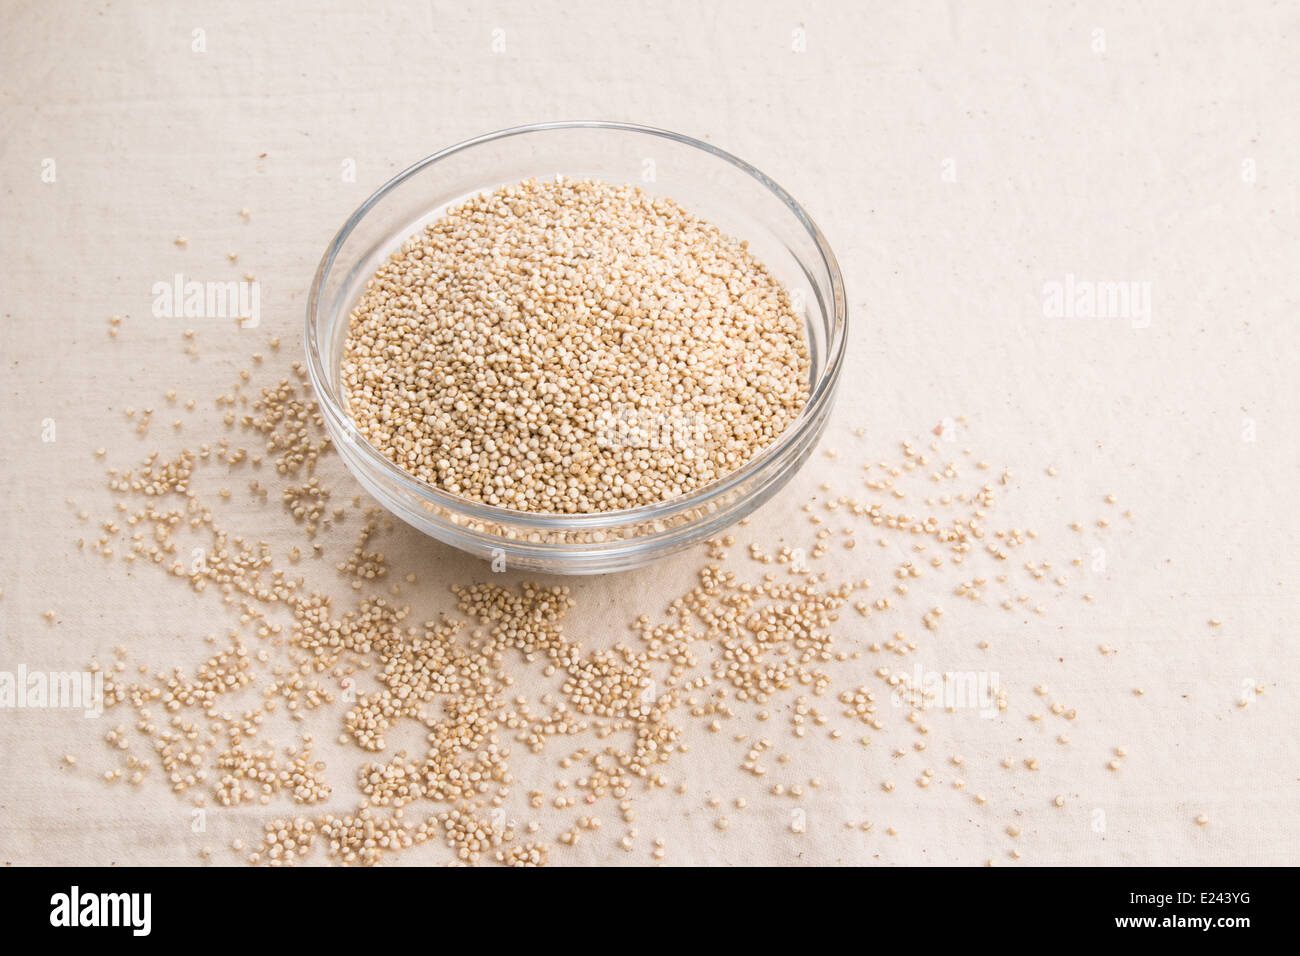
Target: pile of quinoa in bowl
<point>573,347</point>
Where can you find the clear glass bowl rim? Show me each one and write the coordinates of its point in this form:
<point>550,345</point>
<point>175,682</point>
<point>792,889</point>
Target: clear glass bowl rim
<point>822,394</point>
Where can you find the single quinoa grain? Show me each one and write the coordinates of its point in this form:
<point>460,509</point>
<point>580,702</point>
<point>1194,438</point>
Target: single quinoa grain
<point>572,346</point>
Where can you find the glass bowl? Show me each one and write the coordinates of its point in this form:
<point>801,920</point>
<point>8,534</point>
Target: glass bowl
<point>708,182</point>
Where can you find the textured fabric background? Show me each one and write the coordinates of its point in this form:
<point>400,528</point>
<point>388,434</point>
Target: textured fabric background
<point>958,158</point>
